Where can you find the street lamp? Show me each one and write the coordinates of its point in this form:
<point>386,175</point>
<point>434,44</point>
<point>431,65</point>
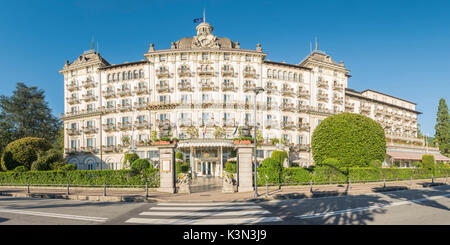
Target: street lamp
<point>256,90</point>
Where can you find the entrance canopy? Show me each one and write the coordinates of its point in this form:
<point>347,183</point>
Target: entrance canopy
<point>416,156</point>
<point>205,143</point>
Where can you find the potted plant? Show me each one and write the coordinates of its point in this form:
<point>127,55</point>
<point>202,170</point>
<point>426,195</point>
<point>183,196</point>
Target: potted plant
<point>243,140</point>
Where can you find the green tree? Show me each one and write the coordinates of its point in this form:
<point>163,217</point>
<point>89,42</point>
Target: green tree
<point>279,156</point>
<point>26,114</point>
<point>428,161</point>
<point>140,164</point>
<point>352,139</point>
<point>273,168</point>
<point>129,158</point>
<point>23,152</point>
<point>443,128</point>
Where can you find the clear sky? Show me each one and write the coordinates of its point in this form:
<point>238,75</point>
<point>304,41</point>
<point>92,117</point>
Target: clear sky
<point>401,48</point>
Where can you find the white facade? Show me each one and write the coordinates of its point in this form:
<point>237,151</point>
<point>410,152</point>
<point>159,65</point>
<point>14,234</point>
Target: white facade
<point>202,86</point>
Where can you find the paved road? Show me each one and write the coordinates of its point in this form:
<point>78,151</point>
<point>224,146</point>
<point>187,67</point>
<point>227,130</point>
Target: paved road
<point>423,206</point>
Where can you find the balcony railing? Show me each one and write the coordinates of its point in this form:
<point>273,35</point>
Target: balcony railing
<point>162,88</point>
<point>124,127</point>
<point>269,89</point>
<point>89,130</point>
<point>338,86</point>
<point>303,94</point>
<point>73,131</point>
<point>123,93</point>
<point>303,127</point>
<point>228,122</point>
<point>142,125</point>
<point>322,84</point>
<point>208,87</point>
<point>249,73</point>
<point>73,100</point>
<point>205,72</point>
<point>287,125</point>
<point>228,87</point>
<point>322,97</point>
<point>109,94</point>
<point>109,127</point>
<point>248,86</point>
<point>227,73</point>
<point>186,86</point>
<point>88,83</point>
<point>72,86</point>
<point>122,108</point>
<point>184,72</point>
<point>287,106</point>
<point>89,97</point>
<point>285,91</point>
<point>270,124</point>
<point>185,123</point>
<point>141,106</point>
<point>162,73</point>
<point>338,100</point>
<point>141,90</point>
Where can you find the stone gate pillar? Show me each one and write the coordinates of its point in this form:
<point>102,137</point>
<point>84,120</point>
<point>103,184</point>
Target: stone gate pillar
<point>167,180</point>
<point>245,173</point>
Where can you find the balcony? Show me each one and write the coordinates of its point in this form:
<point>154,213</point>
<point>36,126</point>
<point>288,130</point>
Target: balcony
<point>89,130</point>
<point>338,100</point>
<point>287,125</point>
<point>88,83</point>
<point>365,108</point>
<point>207,123</point>
<point>338,86</point>
<point>185,123</point>
<point>72,150</point>
<point>89,149</point>
<point>163,87</point>
<point>322,97</point>
<point>73,131</point>
<point>124,93</point>
<point>141,106</point>
<point>123,108</point>
<point>110,148</point>
<point>322,84</point>
<point>270,124</point>
<point>269,89</point>
<point>286,91</point>
<point>249,73</point>
<point>302,93</point>
<point>141,90</point>
<point>109,109</point>
<point>208,86</point>
<point>227,73</point>
<point>287,107</point>
<point>248,86</point>
<point>89,97</point>
<point>162,73</point>
<point>73,100</point>
<point>228,87</point>
<point>303,127</point>
<point>184,72</point>
<point>124,127</point>
<point>205,71</point>
<point>109,127</point>
<point>186,86</point>
<point>271,106</point>
<point>72,86</point>
<point>228,122</point>
<point>142,125</point>
<point>109,94</point>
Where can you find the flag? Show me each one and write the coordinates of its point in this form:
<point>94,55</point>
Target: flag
<point>198,20</point>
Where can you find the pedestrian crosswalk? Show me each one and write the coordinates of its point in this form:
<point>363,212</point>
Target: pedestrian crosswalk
<point>205,214</point>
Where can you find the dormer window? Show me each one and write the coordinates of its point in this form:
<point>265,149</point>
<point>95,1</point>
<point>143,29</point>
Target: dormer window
<point>205,56</point>
<point>162,58</point>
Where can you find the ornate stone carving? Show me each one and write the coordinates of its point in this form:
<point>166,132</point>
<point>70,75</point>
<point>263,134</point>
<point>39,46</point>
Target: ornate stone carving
<point>205,38</point>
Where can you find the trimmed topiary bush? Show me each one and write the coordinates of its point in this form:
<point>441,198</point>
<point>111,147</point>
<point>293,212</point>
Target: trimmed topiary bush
<point>21,169</point>
<point>140,164</point>
<point>230,167</point>
<point>23,152</point>
<point>182,167</point>
<point>428,161</point>
<point>40,165</point>
<point>129,158</point>
<point>279,156</point>
<point>273,169</point>
<point>353,139</point>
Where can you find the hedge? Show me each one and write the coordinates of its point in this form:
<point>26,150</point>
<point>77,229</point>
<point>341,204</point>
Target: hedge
<point>353,139</point>
<point>297,175</point>
<point>83,177</point>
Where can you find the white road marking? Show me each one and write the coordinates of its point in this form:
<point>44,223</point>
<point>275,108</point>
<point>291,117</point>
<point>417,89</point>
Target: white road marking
<point>53,215</point>
<point>207,204</point>
<point>206,208</point>
<point>324,214</point>
<point>204,221</point>
<point>204,214</point>
<point>215,213</point>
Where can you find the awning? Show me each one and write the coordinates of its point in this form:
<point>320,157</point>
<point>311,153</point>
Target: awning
<point>417,156</point>
<point>205,143</point>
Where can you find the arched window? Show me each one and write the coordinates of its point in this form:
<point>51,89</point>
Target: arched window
<point>124,76</point>
<point>269,71</point>
<point>295,77</point>
<point>130,75</point>
<point>290,76</point>
<point>284,75</point>
<point>135,74</point>
<point>280,75</point>
<point>300,77</point>
<point>141,73</point>
<point>109,78</point>
<point>114,77</point>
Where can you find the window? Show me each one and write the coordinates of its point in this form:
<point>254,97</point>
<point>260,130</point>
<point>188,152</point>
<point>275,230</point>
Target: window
<point>124,76</point>
<point>109,121</point>
<point>73,126</point>
<point>260,153</point>
<point>205,56</point>
<point>248,58</point>
<point>90,142</point>
<point>184,98</point>
<point>130,75</point>
<point>226,98</point>
<point>300,139</point>
<point>125,120</point>
<point>153,154</point>
<point>90,124</point>
<point>141,73</point>
<point>183,57</point>
<point>162,99</point>
<point>269,73</point>
<point>162,58</point>
<point>110,141</point>
<point>135,75</point>
<point>90,107</point>
<point>109,78</point>
<point>162,117</point>
<point>141,119</point>
<point>226,56</point>
<point>73,144</point>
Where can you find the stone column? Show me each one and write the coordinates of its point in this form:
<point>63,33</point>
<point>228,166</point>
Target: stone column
<point>244,152</point>
<point>167,168</point>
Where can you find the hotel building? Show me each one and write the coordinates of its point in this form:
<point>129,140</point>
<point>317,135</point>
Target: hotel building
<point>203,86</point>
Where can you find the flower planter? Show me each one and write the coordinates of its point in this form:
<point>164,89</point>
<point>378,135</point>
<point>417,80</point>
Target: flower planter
<point>247,142</point>
<point>162,142</point>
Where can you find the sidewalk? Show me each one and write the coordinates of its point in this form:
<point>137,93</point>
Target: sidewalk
<point>273,192</point>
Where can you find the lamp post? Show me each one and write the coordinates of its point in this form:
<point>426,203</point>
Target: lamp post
<point>257,90</point>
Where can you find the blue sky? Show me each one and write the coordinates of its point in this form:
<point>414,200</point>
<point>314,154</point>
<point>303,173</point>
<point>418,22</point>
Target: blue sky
<point>395,47</point>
